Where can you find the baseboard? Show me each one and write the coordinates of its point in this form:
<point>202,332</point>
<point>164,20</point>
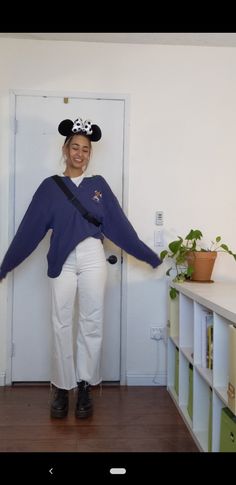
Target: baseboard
<point>132,380</point>
<point>2,378</point>
<point>147,379</point>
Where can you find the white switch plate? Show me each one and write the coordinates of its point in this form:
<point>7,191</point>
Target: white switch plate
<point>158,238</point>
<point>159,218</point>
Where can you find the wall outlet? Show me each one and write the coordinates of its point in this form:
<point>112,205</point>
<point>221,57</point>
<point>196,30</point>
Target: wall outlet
<point>164,333</point>
<point>157,333</point>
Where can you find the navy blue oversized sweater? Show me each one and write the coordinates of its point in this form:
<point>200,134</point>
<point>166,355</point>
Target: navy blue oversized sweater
<point>50,209</point>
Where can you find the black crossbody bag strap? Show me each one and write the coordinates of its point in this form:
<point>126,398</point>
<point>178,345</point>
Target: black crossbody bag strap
<point>71,197</point>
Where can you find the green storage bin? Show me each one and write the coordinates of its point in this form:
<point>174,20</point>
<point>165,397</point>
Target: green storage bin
<point>176,384</point>
<point>210,422</point>
<point>227,431</point>
<point>190,392</point>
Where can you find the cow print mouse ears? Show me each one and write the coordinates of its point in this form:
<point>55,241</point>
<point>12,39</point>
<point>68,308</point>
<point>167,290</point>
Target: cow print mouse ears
<point>68,128</point>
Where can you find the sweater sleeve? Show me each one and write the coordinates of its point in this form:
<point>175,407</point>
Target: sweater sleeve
<point>30,232</point>
<point>118,229</point>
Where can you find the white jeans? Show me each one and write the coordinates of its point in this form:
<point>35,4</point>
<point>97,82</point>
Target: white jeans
<point>82,281</point>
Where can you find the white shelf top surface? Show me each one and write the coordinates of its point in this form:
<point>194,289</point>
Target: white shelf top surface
<point>218,296</point>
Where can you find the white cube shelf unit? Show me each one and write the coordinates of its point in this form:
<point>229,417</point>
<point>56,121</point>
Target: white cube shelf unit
<point>200,392</point>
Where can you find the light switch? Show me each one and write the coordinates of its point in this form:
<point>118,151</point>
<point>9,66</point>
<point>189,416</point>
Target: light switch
<point>159,218</point>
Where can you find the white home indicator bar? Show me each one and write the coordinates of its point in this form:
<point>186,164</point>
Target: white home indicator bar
<point>117,471</point>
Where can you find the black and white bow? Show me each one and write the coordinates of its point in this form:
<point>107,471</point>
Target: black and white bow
<point>84,126</point>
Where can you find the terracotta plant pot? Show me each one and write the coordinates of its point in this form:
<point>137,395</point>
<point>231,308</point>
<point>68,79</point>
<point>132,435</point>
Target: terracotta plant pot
<point>202,263</point>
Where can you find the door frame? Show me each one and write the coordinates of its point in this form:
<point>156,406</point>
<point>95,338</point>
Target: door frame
<point>125,185</point>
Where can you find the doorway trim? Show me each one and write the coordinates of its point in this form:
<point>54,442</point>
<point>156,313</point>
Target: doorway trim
<point>11,191</point>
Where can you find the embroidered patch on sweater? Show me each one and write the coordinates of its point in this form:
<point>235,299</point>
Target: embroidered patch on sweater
<point>97,195</point>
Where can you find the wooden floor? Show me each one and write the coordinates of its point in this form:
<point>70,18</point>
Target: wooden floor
<point>126,419</point>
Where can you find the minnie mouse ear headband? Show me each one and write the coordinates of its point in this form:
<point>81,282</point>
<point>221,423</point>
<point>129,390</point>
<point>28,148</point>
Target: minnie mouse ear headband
<point>69,128</point>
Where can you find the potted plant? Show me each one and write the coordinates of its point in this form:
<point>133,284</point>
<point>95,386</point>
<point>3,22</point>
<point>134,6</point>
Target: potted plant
<point>191,260</point>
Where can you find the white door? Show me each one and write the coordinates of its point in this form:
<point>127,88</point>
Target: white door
<point>38,155</point>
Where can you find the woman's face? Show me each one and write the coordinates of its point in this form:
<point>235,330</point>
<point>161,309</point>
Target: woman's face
<point>78,152</point>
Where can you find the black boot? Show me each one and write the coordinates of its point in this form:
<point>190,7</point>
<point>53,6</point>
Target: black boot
<point>60,404</point>
<point>84,406</point>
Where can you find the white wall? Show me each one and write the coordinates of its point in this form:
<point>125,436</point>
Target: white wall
<point>182,153</point>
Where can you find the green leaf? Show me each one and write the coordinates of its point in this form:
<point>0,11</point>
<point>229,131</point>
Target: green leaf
<point>190,235</point>
<point>194,234</point>
<point>173,293</point>
<point>175,246</point>
<point>223,246</point>
<point>163,254</point>
<point>218,239</point>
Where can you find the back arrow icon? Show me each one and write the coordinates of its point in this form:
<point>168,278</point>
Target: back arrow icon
<point>51,471</point>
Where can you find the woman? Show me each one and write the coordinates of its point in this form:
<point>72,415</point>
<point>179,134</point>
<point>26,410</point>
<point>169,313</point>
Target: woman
<point>76,261</point>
